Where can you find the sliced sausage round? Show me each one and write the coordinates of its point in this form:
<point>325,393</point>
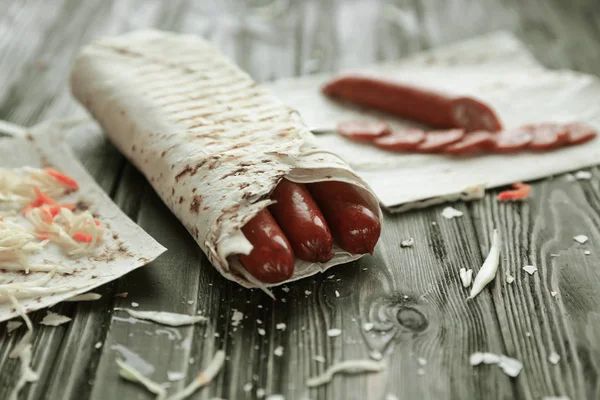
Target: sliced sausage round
<point>401,140</point>
<point>548,136</point>
<point>437,141</point>
<point>472,142</point>
<point>511,140</point>
<point>580,133</point>
<point>363,130</point>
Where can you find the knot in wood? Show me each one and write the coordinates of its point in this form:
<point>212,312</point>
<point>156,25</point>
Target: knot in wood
<point>412,319</point>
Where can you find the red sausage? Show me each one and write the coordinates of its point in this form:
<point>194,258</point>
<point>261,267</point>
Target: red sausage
<point>471,142</point>
<point>548,136</point>
<point>302,222</point>
<point>436,141</point>
<point>513,139</point>
<point>272,259</point>
<point>354,225</point>
<point>580,133</point>
<point>406,139</point>
<point>420,104</point>
<point>363,130</point>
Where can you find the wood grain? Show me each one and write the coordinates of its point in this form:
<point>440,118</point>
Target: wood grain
<point>413,296</point>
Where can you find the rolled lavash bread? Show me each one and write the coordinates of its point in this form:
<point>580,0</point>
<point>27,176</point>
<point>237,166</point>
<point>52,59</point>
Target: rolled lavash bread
<point>210,140</point>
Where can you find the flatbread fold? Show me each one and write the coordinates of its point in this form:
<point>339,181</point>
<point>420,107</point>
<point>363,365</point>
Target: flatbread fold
<point>212,142</point>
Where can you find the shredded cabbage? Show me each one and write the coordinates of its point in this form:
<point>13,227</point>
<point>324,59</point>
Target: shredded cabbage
<point>16,187</point>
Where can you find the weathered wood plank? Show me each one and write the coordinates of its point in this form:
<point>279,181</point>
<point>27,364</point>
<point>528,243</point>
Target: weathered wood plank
<point>560,35</point>
<point>22,28</point>
<point>446,21</point>
<point>533,322</point>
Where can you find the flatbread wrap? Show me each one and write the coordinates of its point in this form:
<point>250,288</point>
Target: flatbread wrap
<point>218,148</point>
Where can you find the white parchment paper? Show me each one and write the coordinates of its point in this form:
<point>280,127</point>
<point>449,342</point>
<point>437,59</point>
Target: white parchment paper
<point>124,247</point>
<point>496,68</point>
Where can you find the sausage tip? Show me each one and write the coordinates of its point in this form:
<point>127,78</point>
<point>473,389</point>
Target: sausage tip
<point>271,259</point>
<point>370,241</point>
<point>317,250</point>
<point>354,225</point>
<point>325,257</point>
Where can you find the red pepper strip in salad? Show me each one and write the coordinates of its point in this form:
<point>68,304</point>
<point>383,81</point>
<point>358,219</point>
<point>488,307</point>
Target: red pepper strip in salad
<point>62,178</point>
<point>521,192</point>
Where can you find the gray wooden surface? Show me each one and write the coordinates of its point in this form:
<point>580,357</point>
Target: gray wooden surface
<point>413,296</point>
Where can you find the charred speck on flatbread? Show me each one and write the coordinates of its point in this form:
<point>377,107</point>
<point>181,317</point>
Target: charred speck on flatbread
<point>196,203</point>
<point>81,206</point>
<point>235,172</point>
<point>185,171</point>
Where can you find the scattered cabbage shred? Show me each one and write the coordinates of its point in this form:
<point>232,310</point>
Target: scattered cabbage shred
<point>489,268</point>
<point>203,379</point>
<point>511,367</point>
<point>85,297</point>
<point>450,213</point>
<point>53,319</point>
<point>12,325</point>
<point>466,276</point>
<point>131,374</point>
<point>530,269</point>
<point>165,318</point>
<point>348,367</point>
<point>27,374</point>
<point>23,351</point>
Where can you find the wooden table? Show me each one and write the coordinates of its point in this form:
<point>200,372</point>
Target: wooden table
<point>424,328</point>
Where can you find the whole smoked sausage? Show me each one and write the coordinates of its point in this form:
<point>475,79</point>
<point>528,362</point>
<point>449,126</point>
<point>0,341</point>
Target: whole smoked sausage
<point>424,105</point>
<point>354,225</point>
<point>302,222</point>
<point>272,259</point>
